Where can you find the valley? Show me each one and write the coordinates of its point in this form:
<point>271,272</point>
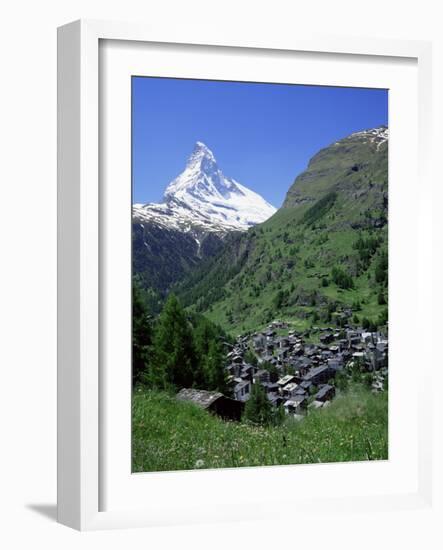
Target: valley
<point>263,323</point>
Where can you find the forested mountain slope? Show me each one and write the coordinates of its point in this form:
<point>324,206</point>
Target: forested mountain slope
<point>201,206</point>
<point>321,258</point>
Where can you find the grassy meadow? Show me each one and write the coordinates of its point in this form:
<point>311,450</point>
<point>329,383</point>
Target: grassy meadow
<point>171,435</point>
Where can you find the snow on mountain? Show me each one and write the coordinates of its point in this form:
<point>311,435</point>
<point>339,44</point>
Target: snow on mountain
<point>378,136</point>
<point>202,197</point>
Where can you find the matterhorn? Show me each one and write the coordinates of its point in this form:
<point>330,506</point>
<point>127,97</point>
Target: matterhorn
<point>203,198</point>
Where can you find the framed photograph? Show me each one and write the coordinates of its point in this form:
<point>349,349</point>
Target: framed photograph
<point>240,223</point>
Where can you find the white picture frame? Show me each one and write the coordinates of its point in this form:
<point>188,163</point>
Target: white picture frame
<point>84,471</point>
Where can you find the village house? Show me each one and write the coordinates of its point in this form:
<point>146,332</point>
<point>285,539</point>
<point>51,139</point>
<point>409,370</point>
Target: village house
<point>285,380</point>
<point>289,390</point>
<point>335,363</point>
<point>259,341</point>
<point>296,405</point>
<point>326,338</point>
<point>266,358</point>
<point>242,390</point>
<point>282,353</point>
<point>214,402</point>
<point>318,375</point>
<point>353,337</point>
<point>303,366</point>
<point>270,387</point>
<point>378,358</point>
<point>325,393</point>
<point>275,399</point>
<point>316,405</point>
<point>237,358</point>
<point>278,324</point>
<point>261,376</point>
<point>247,372</point>
<point>368,337</point>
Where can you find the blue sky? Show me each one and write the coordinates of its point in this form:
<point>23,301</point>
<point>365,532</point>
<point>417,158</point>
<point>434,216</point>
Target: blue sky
<point>262,135</point>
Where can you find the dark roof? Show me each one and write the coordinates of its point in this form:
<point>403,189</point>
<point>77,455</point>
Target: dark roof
<point>247,366</point>
<point>336,364</point>
<point>203,398</point>
<point>260,372</point>
<point>324,391</point>
<point>315,371</point>
<point>270,386</point>
<point>295,399</point>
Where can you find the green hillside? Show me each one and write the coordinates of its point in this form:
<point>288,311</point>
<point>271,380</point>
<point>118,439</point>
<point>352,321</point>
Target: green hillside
<point>173,435</point>
<point>320,259</point>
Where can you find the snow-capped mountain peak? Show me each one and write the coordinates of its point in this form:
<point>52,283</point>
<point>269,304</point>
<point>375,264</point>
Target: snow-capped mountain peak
<point>202,178</point>
<point>202,196</point>
<point>377,136</point>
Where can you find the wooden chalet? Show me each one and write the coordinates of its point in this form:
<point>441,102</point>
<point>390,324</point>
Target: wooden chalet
<point>214,402</point>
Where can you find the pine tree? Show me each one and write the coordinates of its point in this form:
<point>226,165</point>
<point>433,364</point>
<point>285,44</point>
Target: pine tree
<point>273,371</point>
<point>210,372</point>
<point>173,357</point>
<point>251,358</point>
<point>258,409</point>
<point>141,336</point>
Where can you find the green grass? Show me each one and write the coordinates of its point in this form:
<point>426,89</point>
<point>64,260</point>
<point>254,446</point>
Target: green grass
<point>171,435</point>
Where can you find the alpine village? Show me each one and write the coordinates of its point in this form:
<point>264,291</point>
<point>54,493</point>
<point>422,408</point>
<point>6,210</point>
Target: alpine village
<point>260,336</point>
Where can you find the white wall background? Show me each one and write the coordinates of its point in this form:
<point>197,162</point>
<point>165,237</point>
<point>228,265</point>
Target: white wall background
<point>28,254</point>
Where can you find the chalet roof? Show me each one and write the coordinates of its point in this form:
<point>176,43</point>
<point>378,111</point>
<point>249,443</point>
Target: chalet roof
<point>273,397</point>
<point>335,363</point>
<point>285,380</point>
<point>315,371</point>
<point>247,366</point>
<point>305,362</point>
<point>241,385</point>
<point>294,401</point>
<point>270,386</point>
<point>203,398</point>
<point>323,391</point>
<point>291,386</point>
<point>261,372</point>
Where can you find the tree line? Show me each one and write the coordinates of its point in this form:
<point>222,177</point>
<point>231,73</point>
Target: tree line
<point>177,349</point>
